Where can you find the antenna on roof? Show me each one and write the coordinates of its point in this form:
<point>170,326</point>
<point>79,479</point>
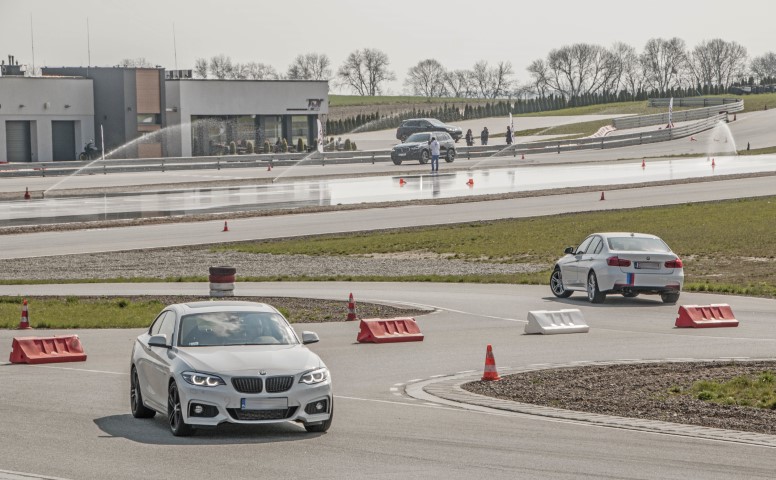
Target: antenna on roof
<point>32,43</point>
<point>174,46</point>
<point>88,48</point>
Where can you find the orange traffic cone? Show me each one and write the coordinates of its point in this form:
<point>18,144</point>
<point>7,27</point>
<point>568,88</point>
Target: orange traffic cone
<point>490,372</point>
<point>602,197</point>
<point>351,308</point>
<point>643,163</point>
<point>26,193</point>
<point>470,182</point>
<point>401,182</point>
<point>226,227</point>
<point>24,324</point>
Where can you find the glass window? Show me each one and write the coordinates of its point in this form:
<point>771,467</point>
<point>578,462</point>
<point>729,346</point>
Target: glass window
<point>419,137</point>
<point>582,248</point>
<point>300,128</point>
<point>157,323</point>
<point>637,244</point>
<point>148,119</point>
<point>595,246</point>
<point>167,326</point>
<point>235,328</point>
<point>271,129</point>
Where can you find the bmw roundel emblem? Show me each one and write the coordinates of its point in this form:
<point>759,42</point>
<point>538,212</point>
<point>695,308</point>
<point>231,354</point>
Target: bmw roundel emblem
<point>262,372</point>
<point>647,258</point>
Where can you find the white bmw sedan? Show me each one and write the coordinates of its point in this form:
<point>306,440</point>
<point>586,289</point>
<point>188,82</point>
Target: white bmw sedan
<point>205,363</point>
<point>623,263</point>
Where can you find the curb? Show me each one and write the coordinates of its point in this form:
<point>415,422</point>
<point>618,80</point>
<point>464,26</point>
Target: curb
<point>447,390</point>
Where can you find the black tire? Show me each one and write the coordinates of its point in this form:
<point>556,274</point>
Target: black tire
<point>178,426</point>
<point>136,398</point>
<point>450,157</point>
<point>556,284</point>
<point>630,294</point>
<point>323,426</point>
<point>397,161</point>
<point>83,156</point>
<point>223,271</point>
<point>593,294</point>
<point>670,298</point>
<point>425,156</point>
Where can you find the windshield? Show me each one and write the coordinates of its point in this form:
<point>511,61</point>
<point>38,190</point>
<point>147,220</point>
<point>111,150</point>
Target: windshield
<point>436,123</point>
<point>235,328</point>
<point>637,244</point>
<point>418,137</point>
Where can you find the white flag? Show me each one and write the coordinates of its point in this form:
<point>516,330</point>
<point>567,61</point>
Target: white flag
<point>511,123</point>
<point>320,136</point>
<point>670,112</point>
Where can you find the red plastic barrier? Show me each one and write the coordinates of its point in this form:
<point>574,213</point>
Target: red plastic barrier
<point>64,348</point>
<point>388,330</point>
<point>706,316</point>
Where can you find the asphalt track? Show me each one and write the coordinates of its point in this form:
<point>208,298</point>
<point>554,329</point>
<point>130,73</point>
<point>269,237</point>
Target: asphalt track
<point>72,421</point>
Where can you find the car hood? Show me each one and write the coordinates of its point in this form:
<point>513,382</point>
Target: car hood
<point>410,144</point>
<point>249,359</point>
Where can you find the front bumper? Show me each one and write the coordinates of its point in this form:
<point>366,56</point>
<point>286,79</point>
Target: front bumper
<point>225,404</point>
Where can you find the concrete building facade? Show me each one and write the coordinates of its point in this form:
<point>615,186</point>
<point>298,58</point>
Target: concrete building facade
<point>128,105</point>
<point>205,116</point>
<point>44,119</point>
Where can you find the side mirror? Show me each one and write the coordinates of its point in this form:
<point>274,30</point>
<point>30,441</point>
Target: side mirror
<point>309,337</point>
<point>158,341</point>
<point>569,251</point>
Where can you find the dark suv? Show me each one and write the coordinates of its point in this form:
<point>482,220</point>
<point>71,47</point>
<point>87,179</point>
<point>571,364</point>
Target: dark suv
<point>417,147</point>
<point>414,125</point>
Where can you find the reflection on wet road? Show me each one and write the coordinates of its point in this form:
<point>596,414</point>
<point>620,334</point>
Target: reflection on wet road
<point>370,189</point>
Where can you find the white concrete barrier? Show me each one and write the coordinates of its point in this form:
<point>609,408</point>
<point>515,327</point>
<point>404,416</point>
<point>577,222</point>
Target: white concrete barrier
<point>559,321</point>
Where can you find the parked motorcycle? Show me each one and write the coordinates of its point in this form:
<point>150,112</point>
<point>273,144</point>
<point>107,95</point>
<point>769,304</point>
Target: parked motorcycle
<point>91,152</point>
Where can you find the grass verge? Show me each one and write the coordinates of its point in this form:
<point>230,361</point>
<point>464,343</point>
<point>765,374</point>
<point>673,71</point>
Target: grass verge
<point>746,391</point>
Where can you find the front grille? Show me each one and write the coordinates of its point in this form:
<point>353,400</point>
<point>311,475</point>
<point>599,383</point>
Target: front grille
<point>247,384</point>
<point>279,384</point>
<point>277,414</point>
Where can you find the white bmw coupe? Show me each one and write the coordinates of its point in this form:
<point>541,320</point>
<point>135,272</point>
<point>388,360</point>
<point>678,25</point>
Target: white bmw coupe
<point>205,363</point>
<point>624,263</point>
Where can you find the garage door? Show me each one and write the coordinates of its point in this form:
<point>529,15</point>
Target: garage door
<point>17,141</point>
<point>63,140</point>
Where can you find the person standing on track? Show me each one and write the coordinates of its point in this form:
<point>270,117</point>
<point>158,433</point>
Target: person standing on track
<point>434,144</point>
<point>484,136</point>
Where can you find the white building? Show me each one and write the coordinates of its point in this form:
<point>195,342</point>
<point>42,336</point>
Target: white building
<point>204,116</point>
<point>44,119</point>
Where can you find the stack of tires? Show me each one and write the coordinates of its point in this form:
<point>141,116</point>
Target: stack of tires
<point>222,281</point>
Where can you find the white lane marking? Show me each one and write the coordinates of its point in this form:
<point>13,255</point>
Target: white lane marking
<point>398,384</point>
<point>437,308</point>
<point>9,475</point>
<point>414,380</point>
<point>466,371</point>
<point>438,376</point>
<point>80,370</point>
<point>394,389</point>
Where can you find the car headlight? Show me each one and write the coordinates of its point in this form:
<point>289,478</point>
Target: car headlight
<point>314,376</point>
<point>203,379</point>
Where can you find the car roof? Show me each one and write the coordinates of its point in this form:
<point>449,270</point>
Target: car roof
<point>625,234</point>
<point>221,306</point>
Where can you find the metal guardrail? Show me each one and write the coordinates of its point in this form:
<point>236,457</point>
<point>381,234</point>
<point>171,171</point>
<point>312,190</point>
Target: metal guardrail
<point>710,118</point>
<point>691,101</point>
<point>623,123</point>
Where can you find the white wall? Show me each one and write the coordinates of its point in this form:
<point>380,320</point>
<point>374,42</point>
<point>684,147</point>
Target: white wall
<point>46,99</point>
<point>236,97</point>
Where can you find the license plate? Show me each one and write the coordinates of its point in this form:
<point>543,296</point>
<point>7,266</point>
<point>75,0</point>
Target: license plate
<point>648,265</point>
<point>263,403</point>
<point>402,154</point>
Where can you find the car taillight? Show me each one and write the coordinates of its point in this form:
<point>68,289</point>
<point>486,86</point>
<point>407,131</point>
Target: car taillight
<point>617,262</point>
<point>674,263</point>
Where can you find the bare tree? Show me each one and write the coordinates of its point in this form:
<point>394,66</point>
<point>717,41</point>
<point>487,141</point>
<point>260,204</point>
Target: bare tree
<point>221,66</point>
<point>539,72</point>
<point>458,83</point>
<point>501,79</point>
<point>580,69</point>
<point>260,71</point>
<point>632,76</point>
<point>764,67</point>
<point>663,62</point>
<point>139,62</point>
<point>200,68</point>
<point>365,70</point>
<point>480,76</point>
<point>427,78</point>
<point>310,66</point>
<point>717,62</point>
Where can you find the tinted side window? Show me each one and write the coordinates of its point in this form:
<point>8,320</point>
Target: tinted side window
<point>582,248</point>
<point>154,328</point>
<point>595,245</point>
<point>167,326</point>
<point>442,136</point>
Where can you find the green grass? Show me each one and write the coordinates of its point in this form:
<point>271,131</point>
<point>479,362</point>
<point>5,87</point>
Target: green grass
<point>746,391</point>
<point>726,246</point>
<point>758,151</point>
<point>75,312</point>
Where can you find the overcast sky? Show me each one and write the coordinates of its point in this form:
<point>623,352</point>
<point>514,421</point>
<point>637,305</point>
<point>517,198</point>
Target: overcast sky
<point>457,33</point>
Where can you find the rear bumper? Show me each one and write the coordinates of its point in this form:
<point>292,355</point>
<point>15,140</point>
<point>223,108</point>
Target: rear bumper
<point>642,283</point>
